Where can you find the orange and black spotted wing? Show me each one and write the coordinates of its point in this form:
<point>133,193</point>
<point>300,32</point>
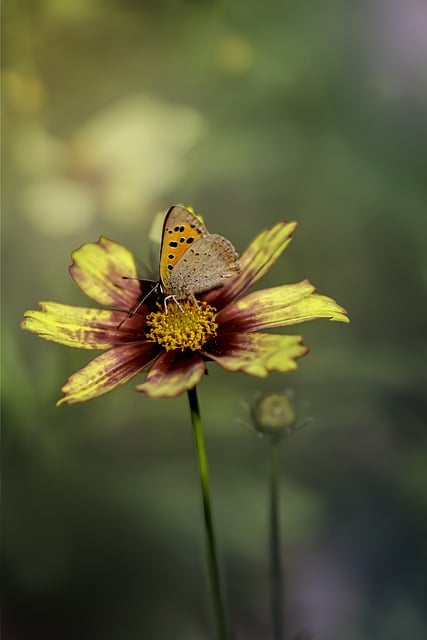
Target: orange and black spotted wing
<point>181,229</point>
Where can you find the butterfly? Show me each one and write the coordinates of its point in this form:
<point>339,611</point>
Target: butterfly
<point>192,260</point>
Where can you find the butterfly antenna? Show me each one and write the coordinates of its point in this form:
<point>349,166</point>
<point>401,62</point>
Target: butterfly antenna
<point>139,304</point>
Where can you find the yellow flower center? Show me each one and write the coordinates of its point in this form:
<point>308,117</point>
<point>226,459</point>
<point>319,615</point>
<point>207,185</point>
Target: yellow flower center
<point>186,326</point>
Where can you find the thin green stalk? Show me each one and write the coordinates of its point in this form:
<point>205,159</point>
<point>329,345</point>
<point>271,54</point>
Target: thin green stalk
<point>214,578</point>
<point>275,555</point>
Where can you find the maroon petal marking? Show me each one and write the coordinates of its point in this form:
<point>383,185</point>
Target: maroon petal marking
<point>108,371</point>
<point>279,307</point>
<point>256,353</point>
<point>173,373</point>
<point>84,328</point>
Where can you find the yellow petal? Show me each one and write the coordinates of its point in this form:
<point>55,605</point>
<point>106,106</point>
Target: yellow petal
<point>279,307</point>
<point>257,353</point>
<point>173,373</point>
<point>107,371</point>
<point>99,268</point>
<point>82,327</point>
<point>258,258</point>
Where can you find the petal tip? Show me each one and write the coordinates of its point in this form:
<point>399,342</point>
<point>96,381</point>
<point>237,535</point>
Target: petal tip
<point>340,314</point>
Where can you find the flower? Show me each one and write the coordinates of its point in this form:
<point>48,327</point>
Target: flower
<point>175,344</point>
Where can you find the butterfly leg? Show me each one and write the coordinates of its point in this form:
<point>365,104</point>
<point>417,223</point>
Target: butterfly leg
<point>193,299</point>
<point>175,299</point>
<point>139,304</point>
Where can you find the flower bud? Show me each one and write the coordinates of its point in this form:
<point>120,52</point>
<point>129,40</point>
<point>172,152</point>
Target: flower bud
<point>274,414</point>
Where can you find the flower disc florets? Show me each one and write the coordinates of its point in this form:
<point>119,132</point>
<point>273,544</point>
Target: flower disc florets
<point>187,326</point>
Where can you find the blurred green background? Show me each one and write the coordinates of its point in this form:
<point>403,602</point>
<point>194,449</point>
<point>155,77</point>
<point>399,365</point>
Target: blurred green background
<point>252,112</point>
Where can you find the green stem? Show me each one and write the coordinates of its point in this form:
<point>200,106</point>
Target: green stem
<point>275,556</point>
<point>217,597</point>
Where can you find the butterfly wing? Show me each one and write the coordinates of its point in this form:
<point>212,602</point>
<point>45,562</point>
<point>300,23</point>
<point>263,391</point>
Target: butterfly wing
<point>181,229</point>
<point>206,265</point>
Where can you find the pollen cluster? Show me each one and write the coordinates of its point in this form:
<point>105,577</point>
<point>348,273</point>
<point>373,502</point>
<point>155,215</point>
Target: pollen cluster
<point>187,326</point>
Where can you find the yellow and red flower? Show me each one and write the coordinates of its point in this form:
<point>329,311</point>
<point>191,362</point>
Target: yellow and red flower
<point>175,344</point>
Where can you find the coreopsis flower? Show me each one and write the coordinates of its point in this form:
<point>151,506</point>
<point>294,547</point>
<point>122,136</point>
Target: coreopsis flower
<point>175,342</point>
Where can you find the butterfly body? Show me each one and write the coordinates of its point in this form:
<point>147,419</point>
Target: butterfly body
<point>192,260</point>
